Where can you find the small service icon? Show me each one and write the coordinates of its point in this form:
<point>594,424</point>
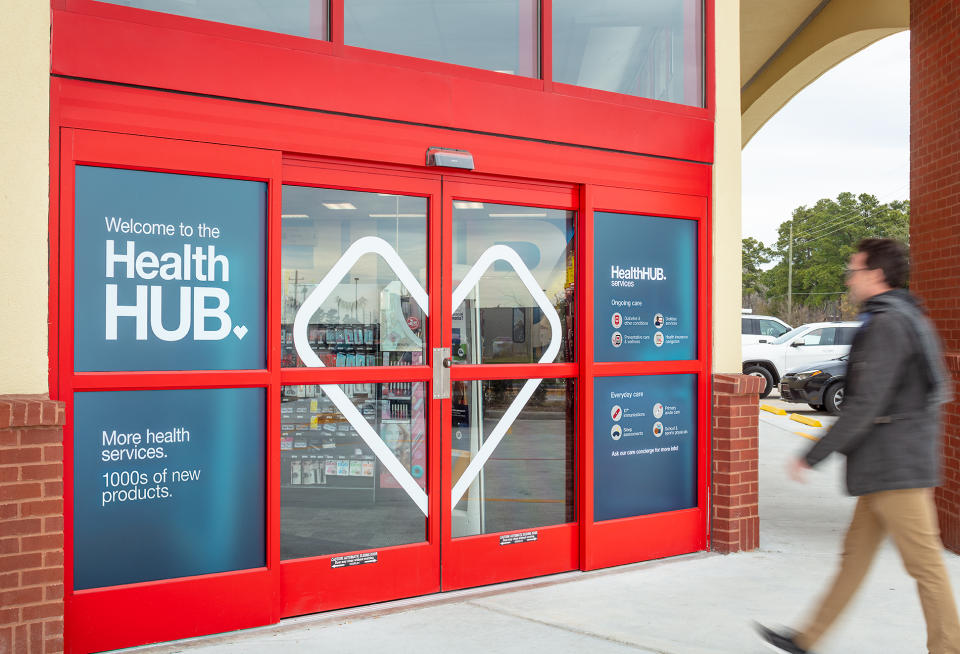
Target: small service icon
<point>616,432</point>
<point>657,410</point>
<point>616,413</point>
<point>616,320</point>
<point>616,339</point>
<point>658,429</point>
<point>658,320</point>
<point>658,339</point>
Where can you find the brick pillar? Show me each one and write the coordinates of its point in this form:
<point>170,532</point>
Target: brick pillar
<point>935,208</point>
<point>735,484</point>
<point>31,524</point>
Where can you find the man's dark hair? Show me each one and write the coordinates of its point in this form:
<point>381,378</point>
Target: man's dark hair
<point>888,255</point>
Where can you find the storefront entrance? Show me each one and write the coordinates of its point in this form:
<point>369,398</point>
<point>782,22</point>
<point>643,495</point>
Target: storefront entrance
<point>298,383</point>
<point>423,330</point>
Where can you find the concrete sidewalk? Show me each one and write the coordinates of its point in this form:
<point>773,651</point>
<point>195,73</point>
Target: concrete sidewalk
<point>694,604</point>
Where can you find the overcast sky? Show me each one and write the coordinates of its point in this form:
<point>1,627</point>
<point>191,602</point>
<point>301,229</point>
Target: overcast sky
<point>847,131</point>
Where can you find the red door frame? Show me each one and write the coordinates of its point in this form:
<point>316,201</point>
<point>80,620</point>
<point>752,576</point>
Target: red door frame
<point>200,604</point>
<point>627,540</point>
<point>478,560</point>
<point>309,585</point>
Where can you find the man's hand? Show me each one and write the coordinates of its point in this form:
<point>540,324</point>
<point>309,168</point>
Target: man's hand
<point>797,470</point>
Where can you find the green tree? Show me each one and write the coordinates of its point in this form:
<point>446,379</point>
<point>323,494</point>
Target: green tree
<point>754,255</point>
<point>824,237</point>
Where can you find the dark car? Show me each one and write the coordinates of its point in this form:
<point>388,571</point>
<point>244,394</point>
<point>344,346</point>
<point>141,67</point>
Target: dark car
<point>818,384</point>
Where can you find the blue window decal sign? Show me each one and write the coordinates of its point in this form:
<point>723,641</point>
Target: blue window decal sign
<point>645,288</point>
<point>167,483</point>
<point>169,271</point>
<point>644,445</point>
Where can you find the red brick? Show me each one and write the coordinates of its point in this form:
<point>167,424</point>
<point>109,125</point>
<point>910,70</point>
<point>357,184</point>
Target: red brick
<point>42,577</point>
<point>53,592</point>
<point>53,489</point>
<point>53,628</point>
<point>4,414</point>
<point>42,507</point>
<point>7,617</point>
<point>53,646</point>
<point>9,438</point>
<point>43,436</point>
<point>42,471</point>
<point>53,453</point>
<point>20,455</point>
<point>8,511</point>
<point>41,543</point>
<point>21,596</point>
<point>9,546</point>
<point>20,492</point>
<point>16,562</point>
<point>53,559</point>
<point>9,580</point>
<point>53,525</point>
<point>42,611</point>
<point>22,526</point>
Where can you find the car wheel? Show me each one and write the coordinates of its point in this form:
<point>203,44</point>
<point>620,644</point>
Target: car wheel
<point>833,398</point>
<point>817,407</point>
<point>760,371</point>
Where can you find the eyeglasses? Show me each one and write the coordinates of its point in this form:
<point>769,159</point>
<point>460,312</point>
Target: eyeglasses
<point>848,273</point>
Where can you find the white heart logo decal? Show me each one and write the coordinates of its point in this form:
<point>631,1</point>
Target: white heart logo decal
<point>240,331</point>
<point>376,245</point>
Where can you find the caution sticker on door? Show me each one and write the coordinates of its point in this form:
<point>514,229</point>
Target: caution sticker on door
<point>520,537</point>
<point>353,559</point>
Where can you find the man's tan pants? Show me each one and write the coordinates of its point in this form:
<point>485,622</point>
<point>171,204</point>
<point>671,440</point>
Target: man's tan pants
<point>909,516</point>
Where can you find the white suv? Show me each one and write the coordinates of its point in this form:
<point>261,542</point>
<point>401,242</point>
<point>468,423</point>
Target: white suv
<point>761,329</point>
<point>817,341</point>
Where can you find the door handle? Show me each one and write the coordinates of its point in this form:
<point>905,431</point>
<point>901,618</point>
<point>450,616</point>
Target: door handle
<point>441,373</point>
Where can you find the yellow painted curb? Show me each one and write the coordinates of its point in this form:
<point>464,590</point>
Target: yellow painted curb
<point>796,417</point>
<point>800,433</point>
<point>772,409</point>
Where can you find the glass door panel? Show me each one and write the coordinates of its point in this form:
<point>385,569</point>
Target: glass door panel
<point>356,522</point>
<point>510,465</point>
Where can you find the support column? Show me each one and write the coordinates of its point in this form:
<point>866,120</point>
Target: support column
<point>935,209</point>
<point>31,524</point>
<point>735,482</point>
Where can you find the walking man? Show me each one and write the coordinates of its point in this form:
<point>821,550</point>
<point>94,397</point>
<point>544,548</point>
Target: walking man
<point>890,433</point>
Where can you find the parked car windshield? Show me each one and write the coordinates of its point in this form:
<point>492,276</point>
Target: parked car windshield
<point>786,337</point>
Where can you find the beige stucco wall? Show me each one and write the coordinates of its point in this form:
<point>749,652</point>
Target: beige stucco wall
<point>24,188</point>
<point>726,191</point>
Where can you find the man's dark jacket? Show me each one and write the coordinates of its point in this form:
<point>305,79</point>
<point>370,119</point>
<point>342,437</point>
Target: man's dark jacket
<point>890,426</point>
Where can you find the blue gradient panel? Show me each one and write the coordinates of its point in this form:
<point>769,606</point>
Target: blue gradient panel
<point>162,283</point>
<point>645,288</point>
<point>643,463</point>
<point>195,507</point>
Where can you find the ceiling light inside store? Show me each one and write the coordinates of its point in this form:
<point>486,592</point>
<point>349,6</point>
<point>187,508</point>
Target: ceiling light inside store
<point>294,215</point>
<point>398,215</point>
<point>460,204</point>
<point>338,205</point>
<point>517,215</point>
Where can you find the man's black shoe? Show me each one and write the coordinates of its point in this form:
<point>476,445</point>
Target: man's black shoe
<point>778,641</point>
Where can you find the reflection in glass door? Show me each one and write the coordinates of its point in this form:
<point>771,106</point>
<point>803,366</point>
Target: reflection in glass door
<point>512,420</point>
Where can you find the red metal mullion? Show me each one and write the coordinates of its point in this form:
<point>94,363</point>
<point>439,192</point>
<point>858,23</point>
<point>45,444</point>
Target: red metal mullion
<point>584,332</point>
<point>374,374</point>
<point>273,426</point>
<point>172,379</point>
<point>513,371</point>
<point>546,44</point>
<point>65,365</point>
<point>705,355</point>
<point>629,368</point>
<point>336,26</point>
<point>444,292</point>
